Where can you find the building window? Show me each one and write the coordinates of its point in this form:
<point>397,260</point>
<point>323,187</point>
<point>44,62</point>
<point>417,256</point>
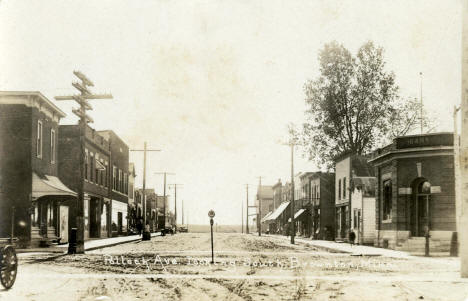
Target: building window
<point>387,200</point>
<point>355,218</point>
<point>96,170</point>
<point>91,168</point>
<point>339,189</point>
<point>114,178</point>
<point>344,188</point>
<point>52,146</point>
<point>120,180</point>
<point>106,175</point>
<point>86,164</point>
<point>39,139</point>
<point>125,188</point>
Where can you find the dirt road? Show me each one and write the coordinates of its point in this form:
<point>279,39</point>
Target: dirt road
<point>246,267</point>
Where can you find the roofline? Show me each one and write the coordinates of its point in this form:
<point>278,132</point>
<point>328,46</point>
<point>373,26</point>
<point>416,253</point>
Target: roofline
<point>37,94</point>
<point>115,134</point>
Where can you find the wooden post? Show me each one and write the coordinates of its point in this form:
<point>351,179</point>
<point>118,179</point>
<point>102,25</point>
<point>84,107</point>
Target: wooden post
<point>463,210</point>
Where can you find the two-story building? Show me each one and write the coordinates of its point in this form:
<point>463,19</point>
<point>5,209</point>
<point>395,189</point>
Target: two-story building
<point>96,177</point>
<point>118,188</point>
<point>322,198</point>
<point>32,198</point>
<point>347,166</point>
<point>264,203</point>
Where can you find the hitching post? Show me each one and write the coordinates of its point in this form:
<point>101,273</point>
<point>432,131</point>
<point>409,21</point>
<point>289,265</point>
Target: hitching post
<point>211,214</point>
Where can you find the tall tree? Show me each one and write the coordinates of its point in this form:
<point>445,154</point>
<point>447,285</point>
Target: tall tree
<point>353,105</point>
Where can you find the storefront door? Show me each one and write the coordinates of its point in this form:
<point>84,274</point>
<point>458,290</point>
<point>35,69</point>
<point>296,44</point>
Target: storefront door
<point>420,209</point>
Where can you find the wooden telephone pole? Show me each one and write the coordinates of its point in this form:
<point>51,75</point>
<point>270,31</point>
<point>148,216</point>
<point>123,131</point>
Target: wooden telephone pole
<point>144,150</point>
<point>82,100</point>
<point>175,204</point>
<point>463,181</point>
<point>164,205</point>
<point>259,215</point>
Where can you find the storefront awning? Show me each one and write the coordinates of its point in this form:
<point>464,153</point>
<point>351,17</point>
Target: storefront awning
<point>49,185</point>
<point>278,211</point>
<point>297,214</point>
<point>265,218</point>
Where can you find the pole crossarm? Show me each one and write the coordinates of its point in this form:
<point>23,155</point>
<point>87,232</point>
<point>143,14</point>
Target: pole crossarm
<point>84,118</point>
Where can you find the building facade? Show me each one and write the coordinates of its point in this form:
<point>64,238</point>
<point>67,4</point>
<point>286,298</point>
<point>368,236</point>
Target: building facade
<point>264,203</point>
<point>322,199</point>
<point>347,167</point>
<point>363,209</point>
<point>96,177</point>
<point>118,190</point>
<point>415,192</point>
<point>31,194</point>
<point>133,216</point>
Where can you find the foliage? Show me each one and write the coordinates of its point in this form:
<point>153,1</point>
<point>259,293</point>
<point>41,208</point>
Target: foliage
<point>353,106</point>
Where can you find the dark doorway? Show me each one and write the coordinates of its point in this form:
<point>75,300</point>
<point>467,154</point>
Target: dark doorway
<point>94,218</point>
<point>420,207</point>
<point>119,222</point>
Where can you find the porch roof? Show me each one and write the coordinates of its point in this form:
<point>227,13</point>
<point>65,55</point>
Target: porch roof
<point>278,211</point>
<point>49,185</point>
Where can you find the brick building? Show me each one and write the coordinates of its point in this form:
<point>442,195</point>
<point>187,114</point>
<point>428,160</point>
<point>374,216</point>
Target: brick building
<point>96,177</point>
<point>29,171</point>
<point>118,188</point>
<point>321,194</point>
<point>415,192</point>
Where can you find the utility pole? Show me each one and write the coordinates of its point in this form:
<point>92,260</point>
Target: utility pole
<point>421,98</point>
<point>242,217</point>
<point>456,156</point>
<point>175,204</point>
<point>82,100</point>
<point>247,208</point>
<point>463,210</point>
<point>144,150</point>
<point>164,205</point>
<point>293,231</point>
<point>259,194</point>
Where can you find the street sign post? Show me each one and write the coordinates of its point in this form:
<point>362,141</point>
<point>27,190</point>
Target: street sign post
<point>211,215</point>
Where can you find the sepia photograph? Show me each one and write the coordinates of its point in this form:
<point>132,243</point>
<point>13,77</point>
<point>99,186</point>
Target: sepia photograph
<point>237,150</point>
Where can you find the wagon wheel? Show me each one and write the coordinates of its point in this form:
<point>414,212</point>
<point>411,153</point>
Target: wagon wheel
<point>8,266</point>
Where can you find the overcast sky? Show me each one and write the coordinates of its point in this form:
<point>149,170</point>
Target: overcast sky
<point>214,83</point>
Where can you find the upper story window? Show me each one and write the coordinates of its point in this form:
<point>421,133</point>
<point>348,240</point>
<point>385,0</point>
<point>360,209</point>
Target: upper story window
<point>387,200</point>
<point>52,146</point>
<point>344,188</point>
<point>39,139</point>
<point>114,178</point>
<point>339,189</point>
<point>86,164</point>
<point>120,181</point>
<point>91,167</point>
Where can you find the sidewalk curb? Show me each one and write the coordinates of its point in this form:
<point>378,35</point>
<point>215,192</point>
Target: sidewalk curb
<point>120,242</point>
<point>64,250</point>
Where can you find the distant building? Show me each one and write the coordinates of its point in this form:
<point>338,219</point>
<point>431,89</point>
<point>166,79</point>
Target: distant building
<point>415,192</point>
<point>29,129</point>
<point>132,206</point>
<point>162,207</point>
<point>118,191</point>
<point>347,167</point>
<point>322,198</point>
<point>151,206</point>
<point>277,194</point>
<point>264,203</point>
<point>96,177</point>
